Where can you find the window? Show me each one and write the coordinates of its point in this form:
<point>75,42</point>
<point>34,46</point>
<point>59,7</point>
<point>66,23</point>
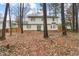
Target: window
<point>53,19</point>
<point>28,26</point>
<point>25,22</point>
<point>53,25</point>
<point>32,19</point>
<point>41,19</point>
<point>39,27</point>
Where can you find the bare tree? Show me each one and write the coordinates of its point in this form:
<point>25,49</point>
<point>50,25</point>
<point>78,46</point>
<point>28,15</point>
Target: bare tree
<point>20,12</point>
<point>10,21</point>
<point>75,17</point>
<point>21,16</point>
<point>68,15</point>
<point>63,19</point>
<point>15,10</point>
<point>4,21</point>
<point>55,7</point>
<point>73,8</point>
<point>45,20</point>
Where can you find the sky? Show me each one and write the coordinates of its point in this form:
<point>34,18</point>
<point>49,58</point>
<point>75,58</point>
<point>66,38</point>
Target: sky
<point>32,6</point>
<point>2,7</point>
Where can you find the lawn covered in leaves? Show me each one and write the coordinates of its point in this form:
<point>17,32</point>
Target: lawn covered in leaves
<point>32,43</point>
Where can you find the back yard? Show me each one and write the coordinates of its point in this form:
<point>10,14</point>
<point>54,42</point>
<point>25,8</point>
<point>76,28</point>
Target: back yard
<point>32,43</point>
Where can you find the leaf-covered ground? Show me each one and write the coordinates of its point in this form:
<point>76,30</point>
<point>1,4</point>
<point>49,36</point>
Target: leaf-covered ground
<point>32,43</point>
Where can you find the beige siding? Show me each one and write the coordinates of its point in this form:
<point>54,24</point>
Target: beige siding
<point>48,27</point>
<point>33,27</point>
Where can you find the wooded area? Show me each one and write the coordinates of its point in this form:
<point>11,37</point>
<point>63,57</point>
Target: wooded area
<point>46,42</point>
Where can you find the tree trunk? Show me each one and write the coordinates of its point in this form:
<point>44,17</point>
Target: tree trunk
<point>73,11</point>
<point>22,16</point>
<point>45,20</point>
<point>21,20</point>
<point>55,11</point>
<point>76,18</point>
<point>63,19</point>
<point>10,21</point>
<point>4,21</point>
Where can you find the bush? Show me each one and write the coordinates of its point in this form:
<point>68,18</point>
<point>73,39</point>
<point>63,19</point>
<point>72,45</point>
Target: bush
<point>59,27</point>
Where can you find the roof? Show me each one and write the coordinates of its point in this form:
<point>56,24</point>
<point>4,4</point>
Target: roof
<point>41,17</point>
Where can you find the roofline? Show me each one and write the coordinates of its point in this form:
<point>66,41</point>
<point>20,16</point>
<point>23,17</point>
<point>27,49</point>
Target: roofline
<point>41,17</point>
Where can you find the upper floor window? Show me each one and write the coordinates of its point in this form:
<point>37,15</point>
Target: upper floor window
<point>53,19</point>
<point>32,19</point>
<point>25,23</point>
<point>41,19</point>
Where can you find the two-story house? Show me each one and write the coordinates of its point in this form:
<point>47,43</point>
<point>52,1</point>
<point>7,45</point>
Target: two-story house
<point>36,23</point>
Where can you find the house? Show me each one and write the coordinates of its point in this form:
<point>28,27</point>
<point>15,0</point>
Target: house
<point>36,23</point>
<point>1,24</point>
<point>14,26</point>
